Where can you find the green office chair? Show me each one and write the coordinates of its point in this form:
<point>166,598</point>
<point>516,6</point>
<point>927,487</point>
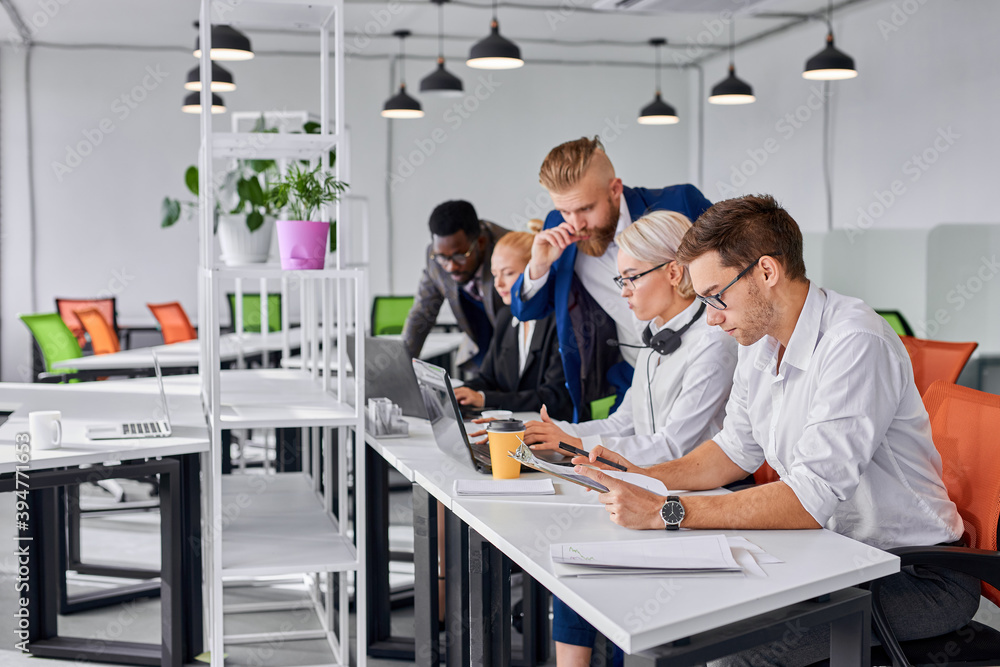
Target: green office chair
<point>251,312</point>
<point>389,314</point>
<point>896,321</point>
<point>601,408</point>
<point>55,340</point>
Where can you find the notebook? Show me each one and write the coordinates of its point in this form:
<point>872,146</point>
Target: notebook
<point>157,428</point>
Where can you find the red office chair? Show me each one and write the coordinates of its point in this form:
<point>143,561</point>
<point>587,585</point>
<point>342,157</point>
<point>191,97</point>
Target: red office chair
<point>67,311</point>
<point>936,360</point>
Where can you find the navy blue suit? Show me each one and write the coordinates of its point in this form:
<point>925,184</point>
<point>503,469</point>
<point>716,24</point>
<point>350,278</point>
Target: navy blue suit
<point>563,294</point>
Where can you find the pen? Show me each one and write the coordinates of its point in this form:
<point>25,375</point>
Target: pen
<point>581,452</point>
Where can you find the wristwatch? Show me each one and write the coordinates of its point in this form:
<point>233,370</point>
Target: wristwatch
<point>672,513</point>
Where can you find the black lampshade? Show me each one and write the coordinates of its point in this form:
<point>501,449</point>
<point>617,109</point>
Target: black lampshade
<point>830,64</point>
<point>222,79</point>
<point>192,104</point>
<point>228,43</point>
<point>494,52</point>
<point>658,112</point>
<point>732,90</point>
<point>402,105</point>
<point>441,81</point>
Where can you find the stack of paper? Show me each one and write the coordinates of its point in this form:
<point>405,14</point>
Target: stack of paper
<point>687,555</point>
<point>504,487</point>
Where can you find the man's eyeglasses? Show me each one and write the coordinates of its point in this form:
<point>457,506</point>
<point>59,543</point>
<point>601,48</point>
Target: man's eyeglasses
<point>622,281</point>
<point>458,258</point>
<point>715,300</point>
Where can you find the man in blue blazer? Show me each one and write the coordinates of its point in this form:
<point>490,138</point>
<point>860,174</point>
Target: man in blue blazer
<point>573,265</point>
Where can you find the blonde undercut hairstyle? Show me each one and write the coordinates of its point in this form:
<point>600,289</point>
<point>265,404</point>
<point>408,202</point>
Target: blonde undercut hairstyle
<point>654,239</point>
<point>566,164</point>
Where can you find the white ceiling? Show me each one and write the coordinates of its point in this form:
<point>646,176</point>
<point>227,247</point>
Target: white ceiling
<point>567,23</point>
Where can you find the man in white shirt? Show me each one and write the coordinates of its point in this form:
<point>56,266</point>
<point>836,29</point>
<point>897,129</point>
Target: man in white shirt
<point>824,393</point>
<point>592,207</point>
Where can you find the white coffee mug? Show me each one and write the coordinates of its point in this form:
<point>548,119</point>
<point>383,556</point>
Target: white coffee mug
<point>45,429</point>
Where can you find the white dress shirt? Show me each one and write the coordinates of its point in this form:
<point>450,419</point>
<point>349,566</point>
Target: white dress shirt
<point>523,341</point>
<point>842,423</point>
<point>597,275</point>
<point>689,392</point>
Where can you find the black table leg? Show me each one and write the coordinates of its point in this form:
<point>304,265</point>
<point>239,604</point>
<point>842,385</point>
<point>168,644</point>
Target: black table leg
<point>456,563</point>
<point>489,589</point>
<point>427,652</point>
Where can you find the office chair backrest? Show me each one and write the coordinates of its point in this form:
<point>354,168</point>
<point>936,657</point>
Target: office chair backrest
<point>103,338</point>
<point>67,311</point>
<point>174,323</point>
<point>936,360</point>
<point>251,312</point>
<point>896,321</point>
<point>54,339</point>
<point>765,474</point>
<point>965,424</point>
<point>389,314</point>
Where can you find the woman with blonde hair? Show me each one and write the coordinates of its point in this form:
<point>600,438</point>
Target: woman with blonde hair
<point>522,370</point>
<point>679,390</point>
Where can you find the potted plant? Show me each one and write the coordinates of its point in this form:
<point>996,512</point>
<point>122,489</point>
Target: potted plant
<point>244,216</point>
<point>302,241</point>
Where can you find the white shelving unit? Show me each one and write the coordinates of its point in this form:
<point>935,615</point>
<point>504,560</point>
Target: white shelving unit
<point>259,527</point>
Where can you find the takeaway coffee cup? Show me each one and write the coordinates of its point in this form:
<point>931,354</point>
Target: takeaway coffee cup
<point>504,435</point>
<point>45,429</point>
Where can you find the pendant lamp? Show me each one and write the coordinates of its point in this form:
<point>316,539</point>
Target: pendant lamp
<point>658,112</point>
<point>494,51</point>
<point>192,104</point>
<point>402,105</point>
<point>732,89</point>
<point>222,79</point>
<point>228,43</point>
<point>830,64</point>
<point>441,81</point>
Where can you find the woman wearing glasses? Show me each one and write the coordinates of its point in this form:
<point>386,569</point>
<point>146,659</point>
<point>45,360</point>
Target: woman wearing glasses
<point>523,368</point>
<point>679,390</point>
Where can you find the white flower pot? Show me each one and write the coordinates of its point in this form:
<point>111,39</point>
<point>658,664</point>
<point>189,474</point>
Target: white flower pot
<point>241,246</point>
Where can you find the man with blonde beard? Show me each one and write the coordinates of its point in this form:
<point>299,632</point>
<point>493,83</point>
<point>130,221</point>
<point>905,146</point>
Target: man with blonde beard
<point>592,207</point>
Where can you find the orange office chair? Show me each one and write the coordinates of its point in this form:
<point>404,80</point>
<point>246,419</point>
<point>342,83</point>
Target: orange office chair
<point>67,311</point>
<point>174,323</point>
<point>765,474</point>
<point>103,338</point>
<point>936,360</point>
<point>964,424</point>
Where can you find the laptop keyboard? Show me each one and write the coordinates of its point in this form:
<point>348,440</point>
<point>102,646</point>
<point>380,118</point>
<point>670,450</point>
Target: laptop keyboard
<point>141,428</point>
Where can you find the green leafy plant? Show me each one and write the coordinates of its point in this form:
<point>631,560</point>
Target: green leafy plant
<point>302,191</point>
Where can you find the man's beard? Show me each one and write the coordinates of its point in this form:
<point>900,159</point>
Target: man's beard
<point>602,237</point>
<point>760,315</point>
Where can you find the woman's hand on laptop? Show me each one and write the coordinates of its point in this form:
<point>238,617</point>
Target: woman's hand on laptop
<point>466,396</point>
<point>481,420</point>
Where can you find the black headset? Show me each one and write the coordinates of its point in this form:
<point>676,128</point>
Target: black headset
<point>666,341</point>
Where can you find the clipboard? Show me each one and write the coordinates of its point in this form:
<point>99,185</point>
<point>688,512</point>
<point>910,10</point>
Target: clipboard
<point>525,457</point>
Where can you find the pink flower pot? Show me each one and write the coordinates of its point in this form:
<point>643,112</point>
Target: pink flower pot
<point>302,243</point>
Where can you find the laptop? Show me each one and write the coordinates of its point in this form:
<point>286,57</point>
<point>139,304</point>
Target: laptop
<point>159,428</point>
<point>447,423</point>
<point>389,374</point>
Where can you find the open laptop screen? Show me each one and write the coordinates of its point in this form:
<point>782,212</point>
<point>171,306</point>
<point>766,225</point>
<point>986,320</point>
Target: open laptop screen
<point>442,410</point>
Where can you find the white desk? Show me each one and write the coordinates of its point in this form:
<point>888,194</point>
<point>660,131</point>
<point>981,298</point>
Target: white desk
<point>38,482</point>
<point>183,355</point>
<point>817,563</point>
<point>437,344</point>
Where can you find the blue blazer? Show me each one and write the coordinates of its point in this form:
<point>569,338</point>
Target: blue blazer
<point>554,296</point>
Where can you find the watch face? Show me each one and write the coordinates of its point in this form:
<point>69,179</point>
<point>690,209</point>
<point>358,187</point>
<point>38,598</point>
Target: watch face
<point>672,512</point>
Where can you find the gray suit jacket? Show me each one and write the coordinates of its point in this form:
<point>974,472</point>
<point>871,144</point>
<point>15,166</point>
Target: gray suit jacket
<point>436,285</point>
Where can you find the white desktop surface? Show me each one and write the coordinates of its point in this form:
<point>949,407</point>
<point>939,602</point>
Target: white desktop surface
<point>89,403</point>
<point>636,613</point>
<point>184,354</point>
